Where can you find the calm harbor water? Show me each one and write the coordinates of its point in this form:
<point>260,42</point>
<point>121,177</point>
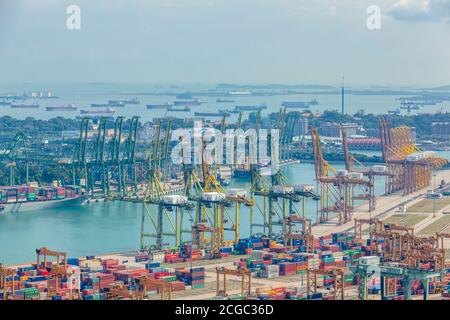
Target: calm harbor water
<point>106,227</point>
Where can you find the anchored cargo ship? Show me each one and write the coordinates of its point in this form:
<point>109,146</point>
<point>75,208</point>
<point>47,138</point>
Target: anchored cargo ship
<point>25,106</point>
<point>117,104</point>
<point>107,111</point>
<point>173,109</point>
<point>299,104</point>
<point>250,108</point>
<point>190,102</point>
<point>69,107</point>
<point>132,101</point>
<point>25,198</point>
<point>219,100</point>
<point>159,106</point>
<point>211,114</point>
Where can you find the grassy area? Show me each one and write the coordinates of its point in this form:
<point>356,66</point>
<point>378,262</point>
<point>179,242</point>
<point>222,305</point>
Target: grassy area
<point>427,205</point>
<point>409,220</point>
<point>403,219</point>
<point>437,226</point>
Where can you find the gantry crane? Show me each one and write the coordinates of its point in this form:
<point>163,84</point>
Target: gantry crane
<point>158,209</point>
<point>389,274</point>
<point>79,160</point>
<point>61,257</point>
<point>351,162</point>
<point>402,246</point>
<point>406,174</point>
<point>17,150</point>
<point>212,216</point>
<point>119,292</point>
<point>278,194</point>
<point>337,274</point>
<point>337,190</point>
<point>244,274</point>
<point>303,233</point>
<point>100,159</point>
<point>5,274</point>
<point>131,154</point>
<point>56,272</point>
<point>164,288</point>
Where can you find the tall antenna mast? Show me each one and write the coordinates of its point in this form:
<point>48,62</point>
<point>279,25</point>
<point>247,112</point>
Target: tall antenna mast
<point>342,96</point>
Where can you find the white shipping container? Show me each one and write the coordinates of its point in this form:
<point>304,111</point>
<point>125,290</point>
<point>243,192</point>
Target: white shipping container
<point>356,175</point>
<point>369,260</point>
<point>341,173</point>
<point>282,189</point>
<point>237,193</point>
<point>379,168</point>
<point>303,188</point>
<point>174,199</point>
<point>213,196</point>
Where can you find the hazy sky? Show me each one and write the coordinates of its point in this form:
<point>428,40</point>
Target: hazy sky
<point>239,41</point>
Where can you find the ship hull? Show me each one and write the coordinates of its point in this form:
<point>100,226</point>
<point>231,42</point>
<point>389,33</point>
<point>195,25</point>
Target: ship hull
<point>39,205</point>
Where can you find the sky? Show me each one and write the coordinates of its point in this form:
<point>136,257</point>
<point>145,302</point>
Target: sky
<point>233,41</point>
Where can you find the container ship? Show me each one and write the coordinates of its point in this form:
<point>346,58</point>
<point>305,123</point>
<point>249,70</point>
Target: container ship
<point>159,106</point>
<point>25,106</point>
<point>69,107</point>
<point>25,198</point>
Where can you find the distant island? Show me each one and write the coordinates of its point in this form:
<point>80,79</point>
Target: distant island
<point>274,86</point>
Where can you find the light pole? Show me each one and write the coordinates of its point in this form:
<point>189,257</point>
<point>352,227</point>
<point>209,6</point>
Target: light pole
<point>434,195</point>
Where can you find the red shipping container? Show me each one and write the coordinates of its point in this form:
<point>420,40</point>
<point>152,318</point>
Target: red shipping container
<point>42,272</point>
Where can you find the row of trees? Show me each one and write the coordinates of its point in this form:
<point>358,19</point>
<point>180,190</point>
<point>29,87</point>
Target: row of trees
<point>422,122</point>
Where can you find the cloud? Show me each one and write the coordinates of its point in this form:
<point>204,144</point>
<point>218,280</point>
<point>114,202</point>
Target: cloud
<point>421,10</point>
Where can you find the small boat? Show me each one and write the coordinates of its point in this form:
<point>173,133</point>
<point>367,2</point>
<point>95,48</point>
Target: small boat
<point>69,107</point>
<point>25,106</point>
<point>159,106</point>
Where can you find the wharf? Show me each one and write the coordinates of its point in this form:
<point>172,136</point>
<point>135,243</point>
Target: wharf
<point>387,205</point>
